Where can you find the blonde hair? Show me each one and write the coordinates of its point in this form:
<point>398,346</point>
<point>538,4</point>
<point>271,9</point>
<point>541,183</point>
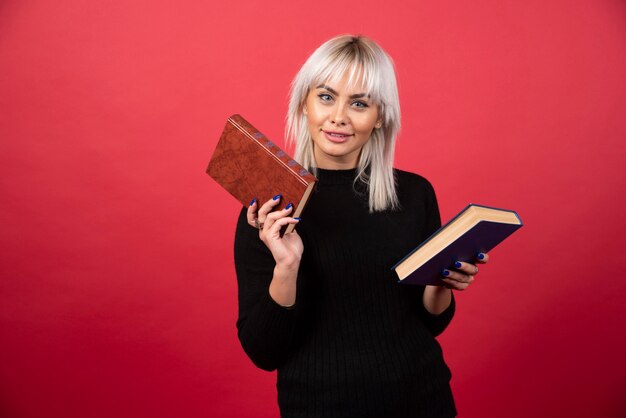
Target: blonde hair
<point>366,62</point>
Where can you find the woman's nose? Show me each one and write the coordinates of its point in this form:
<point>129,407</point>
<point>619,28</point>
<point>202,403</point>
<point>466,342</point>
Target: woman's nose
<point>338,117</point>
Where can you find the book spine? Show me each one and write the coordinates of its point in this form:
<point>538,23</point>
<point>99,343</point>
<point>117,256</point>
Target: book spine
<point>281,155</point>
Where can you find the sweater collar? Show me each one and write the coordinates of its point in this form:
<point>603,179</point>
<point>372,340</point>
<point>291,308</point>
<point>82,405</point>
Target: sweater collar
<point>326,176</point>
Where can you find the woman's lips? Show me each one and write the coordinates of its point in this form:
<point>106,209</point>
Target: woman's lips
<point>336,137</point>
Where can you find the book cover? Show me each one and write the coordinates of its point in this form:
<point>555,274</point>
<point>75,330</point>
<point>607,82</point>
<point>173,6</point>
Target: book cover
<point>248,165</point>
<point>474,230</point>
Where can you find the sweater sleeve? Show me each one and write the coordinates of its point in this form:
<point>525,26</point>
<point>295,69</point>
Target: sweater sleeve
<point>265,329</point>
<point>432,221</point>
<point>436,324</point>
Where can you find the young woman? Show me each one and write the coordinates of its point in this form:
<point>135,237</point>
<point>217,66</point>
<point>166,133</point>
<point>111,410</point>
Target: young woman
<point>321,304</point>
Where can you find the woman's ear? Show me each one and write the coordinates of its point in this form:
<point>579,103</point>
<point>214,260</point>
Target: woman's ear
<point>379,123</point>
<point>304,110</point>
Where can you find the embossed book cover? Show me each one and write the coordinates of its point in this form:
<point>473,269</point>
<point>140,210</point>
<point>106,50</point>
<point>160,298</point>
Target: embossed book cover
<point>248,166</point>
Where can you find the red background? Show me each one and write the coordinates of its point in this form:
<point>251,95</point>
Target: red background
<point>117,290</point>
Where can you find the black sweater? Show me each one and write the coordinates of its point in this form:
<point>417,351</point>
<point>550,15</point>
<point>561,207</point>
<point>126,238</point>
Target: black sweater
<point>357,343</point>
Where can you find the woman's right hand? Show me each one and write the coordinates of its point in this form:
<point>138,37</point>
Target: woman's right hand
<point>287,250</point>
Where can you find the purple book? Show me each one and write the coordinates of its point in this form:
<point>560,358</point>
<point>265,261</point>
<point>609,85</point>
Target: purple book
<point>476,229</point>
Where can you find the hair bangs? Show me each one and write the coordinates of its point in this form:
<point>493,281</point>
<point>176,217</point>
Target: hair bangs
<point>359,67</point>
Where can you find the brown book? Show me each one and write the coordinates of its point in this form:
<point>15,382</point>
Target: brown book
<point>248,166</point>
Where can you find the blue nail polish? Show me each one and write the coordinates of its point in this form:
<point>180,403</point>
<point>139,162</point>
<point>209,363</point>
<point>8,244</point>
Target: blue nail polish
<point>297,219</point>
<point>289,206</point>
<point>277,197</point>
<point>446,272</point>
<point>457,264</point>
<point>481,256</point>
<point>252,202</point>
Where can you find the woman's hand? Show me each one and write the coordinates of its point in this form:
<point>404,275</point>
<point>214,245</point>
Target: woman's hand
<point>463,274</point>
<point>437,298</point>
<point>286,250</point>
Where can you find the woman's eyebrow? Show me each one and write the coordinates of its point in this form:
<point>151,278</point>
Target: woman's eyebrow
<point>352,96</point>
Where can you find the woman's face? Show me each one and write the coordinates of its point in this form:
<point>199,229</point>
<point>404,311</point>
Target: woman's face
<point>340,120</point>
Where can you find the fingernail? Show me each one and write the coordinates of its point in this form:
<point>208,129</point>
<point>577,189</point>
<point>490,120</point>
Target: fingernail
<point>481,256</point>
<point>289,206</point>
<point>457,264</point>
<point>252,202</point>
<point>276,197</point>
<point>446,272</point>
<point>298,219</point>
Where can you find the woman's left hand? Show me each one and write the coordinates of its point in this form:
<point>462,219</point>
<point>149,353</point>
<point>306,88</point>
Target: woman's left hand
<point>462,274</point>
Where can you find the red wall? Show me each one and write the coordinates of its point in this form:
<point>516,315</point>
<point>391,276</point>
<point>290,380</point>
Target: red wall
<point>117,289</point>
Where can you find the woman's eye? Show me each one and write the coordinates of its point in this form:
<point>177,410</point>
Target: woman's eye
<point>325,97</point>
<point>362,105</point>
